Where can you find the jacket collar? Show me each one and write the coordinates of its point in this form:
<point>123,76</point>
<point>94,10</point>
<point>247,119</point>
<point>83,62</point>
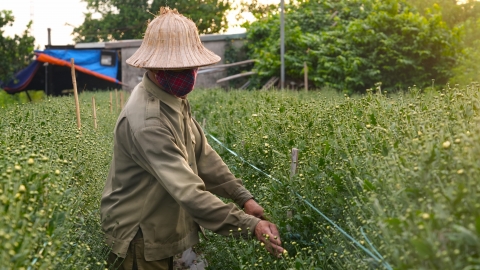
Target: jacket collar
<point>171,100</point>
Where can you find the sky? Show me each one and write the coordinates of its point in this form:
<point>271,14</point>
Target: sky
<point>59,15</point>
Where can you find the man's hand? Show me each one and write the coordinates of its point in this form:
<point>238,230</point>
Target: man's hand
<point>251,207</point>
<point>267,233</point>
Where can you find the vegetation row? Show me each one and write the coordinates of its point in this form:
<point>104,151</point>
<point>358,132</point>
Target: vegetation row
<point>396,172</point>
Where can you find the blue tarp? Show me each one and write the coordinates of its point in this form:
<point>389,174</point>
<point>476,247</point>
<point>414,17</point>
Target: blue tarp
<point>22,78</point>
<point>89,59</point>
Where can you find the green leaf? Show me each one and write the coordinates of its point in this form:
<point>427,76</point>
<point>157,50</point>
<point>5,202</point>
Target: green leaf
<point>422,247</point>
<point>368,185</point>
<point>477,225</point>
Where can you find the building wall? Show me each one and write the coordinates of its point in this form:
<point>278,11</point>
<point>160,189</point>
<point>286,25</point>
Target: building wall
<point>131,76</point>
<point>209,80</point>
<point>216,43</point>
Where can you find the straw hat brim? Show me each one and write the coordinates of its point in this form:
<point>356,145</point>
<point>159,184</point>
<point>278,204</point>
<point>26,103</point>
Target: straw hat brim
<point>171,41</point>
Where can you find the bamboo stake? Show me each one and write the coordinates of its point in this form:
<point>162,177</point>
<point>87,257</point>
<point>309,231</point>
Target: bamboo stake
<point>116,101</point>
<point>228,65</point>
<point>293,166</point>
<point>94,113</point>
<point>110,102</point>
<point>293,171</point>
<point>236,76</point>
<point>289,216</point>
<point>75,94</point>
<point>121,100</point>
<point>305,74</point>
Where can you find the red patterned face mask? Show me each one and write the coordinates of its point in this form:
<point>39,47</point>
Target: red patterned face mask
<point>177,82</point>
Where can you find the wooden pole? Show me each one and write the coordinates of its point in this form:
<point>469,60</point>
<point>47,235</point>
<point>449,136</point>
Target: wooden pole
<point>121,100</point>
<point>228,65</point>
<point>94,113</point>
<point>75,94</point>
<point>293,166</point>
<point>305,75</point>
<point>110,101</point>
<point>289,216</point>
<point>282,44</point>
<point>236,76</point>
<point>293,171</point>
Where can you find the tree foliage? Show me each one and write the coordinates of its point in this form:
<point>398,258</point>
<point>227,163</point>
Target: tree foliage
<point>15,52</point>
<point>453,12</point>
<point>465,16</point>
<point>127,19</point>
<point>351,45</point>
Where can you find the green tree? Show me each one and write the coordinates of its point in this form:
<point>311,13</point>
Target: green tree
<point>461,14</point>
<point>127,19</point>
<point>468,68</point>
<point>453,12</point>
<point>15,52</point>
<point>464,15</point>
<point>352,44</point>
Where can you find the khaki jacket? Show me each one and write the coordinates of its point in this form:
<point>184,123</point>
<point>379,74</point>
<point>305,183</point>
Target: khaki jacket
<point>163,178</point>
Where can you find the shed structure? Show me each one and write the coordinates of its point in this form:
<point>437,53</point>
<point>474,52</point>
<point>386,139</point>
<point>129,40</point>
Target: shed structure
<point>131,76</point>
<point>102,66</point>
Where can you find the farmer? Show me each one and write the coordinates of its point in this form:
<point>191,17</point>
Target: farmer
<point>164,174</point>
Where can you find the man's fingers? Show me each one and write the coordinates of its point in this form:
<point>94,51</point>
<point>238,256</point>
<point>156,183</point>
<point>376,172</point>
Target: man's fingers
<point>278,250</point>
<point>275,250</point>
<point>271,234</point>
<point>267,233</point>
<point>273,229</point>
<point>275,241</point>
<point>272,245</point>
<point>276,235</point>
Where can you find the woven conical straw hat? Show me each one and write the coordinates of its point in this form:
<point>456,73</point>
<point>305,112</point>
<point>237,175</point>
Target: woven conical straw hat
<point>171,41</point>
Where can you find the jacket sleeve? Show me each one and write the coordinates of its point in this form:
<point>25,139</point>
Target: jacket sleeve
<point>161,157</point>
<point>217,176</point>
